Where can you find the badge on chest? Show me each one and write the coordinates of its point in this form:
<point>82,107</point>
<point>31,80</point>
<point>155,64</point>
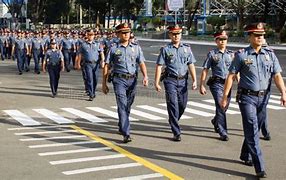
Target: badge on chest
<point>248,61</point>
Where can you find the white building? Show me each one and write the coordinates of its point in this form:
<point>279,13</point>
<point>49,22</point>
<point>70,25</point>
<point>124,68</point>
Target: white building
<point>3,10</point>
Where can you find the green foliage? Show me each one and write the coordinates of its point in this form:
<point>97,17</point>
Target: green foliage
<point>216,21</point>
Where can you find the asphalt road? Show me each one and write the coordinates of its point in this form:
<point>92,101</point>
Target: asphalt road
<point>92,149</point>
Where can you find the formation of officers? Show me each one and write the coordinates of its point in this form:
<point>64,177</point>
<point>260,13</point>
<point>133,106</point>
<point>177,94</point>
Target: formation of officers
<point>121,58</point>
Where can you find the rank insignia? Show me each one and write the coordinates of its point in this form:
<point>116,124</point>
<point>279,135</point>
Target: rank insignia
<point>248,61</point>
<point>267,57</point>
<point>118,52</point>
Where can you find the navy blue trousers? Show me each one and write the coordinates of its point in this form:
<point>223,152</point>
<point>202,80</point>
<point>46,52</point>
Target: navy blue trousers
<point>176,98</point>
<point>253,110</point>
<point>125,90</point>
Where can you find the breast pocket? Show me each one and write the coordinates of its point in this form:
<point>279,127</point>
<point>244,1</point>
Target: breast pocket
<point>118,59</point>
<point>268,66</point>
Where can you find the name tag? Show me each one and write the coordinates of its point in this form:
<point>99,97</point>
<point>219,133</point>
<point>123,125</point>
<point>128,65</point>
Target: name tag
<point>248,61</point>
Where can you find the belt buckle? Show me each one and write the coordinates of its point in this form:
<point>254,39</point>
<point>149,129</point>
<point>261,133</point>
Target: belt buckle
<point>261,93</point>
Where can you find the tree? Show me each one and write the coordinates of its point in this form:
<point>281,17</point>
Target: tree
<point>239,7</point>
<point>14,6</point>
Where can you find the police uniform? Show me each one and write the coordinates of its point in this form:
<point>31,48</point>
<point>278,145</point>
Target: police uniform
<point>66,46</point>
<point>256,71</point>
<point>53,60</point>
<point>37,51</point>
<point>176,61</point>
<point>124,63</point>
<point>20,50</point>
<point>3,42</point>
<point>219,63</point>
<point>90,59</point>
<point>28,56</point>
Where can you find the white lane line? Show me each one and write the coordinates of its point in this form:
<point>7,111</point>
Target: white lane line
<point>210,107</point>
<point>61,144</point>
<point>102,168</point>
<point>73,151</point>
<point>84,115</point>
<point>40,127</point>
<point>53,116</point>
<point>68,161</point>
<point>274,101</point>
<point>44,132</point>
<point>269,106</point>
<point>139,177</point>
<point>160,111</point>
<point>143,114</point>
<point>22,118</point>
<point>51,138</point>
<point>108,113</point>
<point>230,105</point>
<point>194,111</point>
<point>275,96</point>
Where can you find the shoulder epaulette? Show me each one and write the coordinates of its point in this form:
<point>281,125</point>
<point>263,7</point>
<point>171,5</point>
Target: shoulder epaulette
<point>186,44</point>
<point>240,50</point>
<point>267,48</point>
<point>134,43</point>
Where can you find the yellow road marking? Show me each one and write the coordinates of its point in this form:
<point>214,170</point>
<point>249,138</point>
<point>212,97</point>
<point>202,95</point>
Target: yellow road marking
<point>134,157</point>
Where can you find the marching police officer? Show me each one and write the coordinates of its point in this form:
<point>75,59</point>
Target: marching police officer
<point>20,48</point>
<point>66,46</point>
<point>218,60</point>
<point>124,58</point>
<point>54,62</point>
<point>90,55</point>
<point>37,50</point>
<point>256,66</point>
<point>177,59</point>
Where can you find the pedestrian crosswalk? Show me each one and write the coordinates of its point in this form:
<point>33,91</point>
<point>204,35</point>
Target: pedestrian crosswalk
<point>155,112</point>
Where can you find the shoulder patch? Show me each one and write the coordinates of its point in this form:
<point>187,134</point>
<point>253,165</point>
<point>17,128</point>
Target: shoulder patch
<point>240,50</point>
<point>134,43</point>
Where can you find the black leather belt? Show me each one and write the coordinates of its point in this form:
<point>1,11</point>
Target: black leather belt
<point>125,76</point>
<point>218,79</point>
<point>90,62</point>
<point>253,93</point>
<point>177,77</point>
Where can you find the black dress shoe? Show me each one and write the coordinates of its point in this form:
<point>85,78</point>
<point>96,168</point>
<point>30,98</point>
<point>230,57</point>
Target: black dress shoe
<point>20,73</point>
<point>215,126</point>
<point>223,138</point>
<point>90,98</point>
<point>126,139</point>
<point>261,174</point>
<point>177,138</point>
<point>248,163</point>
<point>267,137</point>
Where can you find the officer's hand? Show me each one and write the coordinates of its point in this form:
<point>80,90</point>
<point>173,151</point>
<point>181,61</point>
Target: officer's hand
<point>145,81</point>
<point>203,90</point>
<point>223,103</point>
<point>283,99</point>
<point>158,87</point>
<point>194,85</point>
<point>105,88</point>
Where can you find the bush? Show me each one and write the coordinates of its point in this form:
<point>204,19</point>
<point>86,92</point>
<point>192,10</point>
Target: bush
<point>216,21</point>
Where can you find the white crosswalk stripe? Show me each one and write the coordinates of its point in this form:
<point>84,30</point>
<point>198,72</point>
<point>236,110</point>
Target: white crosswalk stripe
<point>74,151</point>
<point>143,114</point>
<point>77,160</point>
<point>22,118</point>
<point>84,115</point>
<point>108,112</point>
<point>230,105</point>
<point>61,144</point>
<point>101,168</point>
<point>53,116</point>
<point>201,105</point>
<point>160,111</point>
<point>140,177</point>
<point>194,111</point>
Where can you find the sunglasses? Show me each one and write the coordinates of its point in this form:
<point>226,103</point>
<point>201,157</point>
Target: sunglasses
<point>125,32</point>
<point>222,39</point>
<point>174,34</point>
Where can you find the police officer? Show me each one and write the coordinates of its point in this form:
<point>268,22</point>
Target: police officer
<point>20,50</point>
<point>177,59</point>
<point>256,66</point>
<point>218,60</point>
<point>54,62</point>
<point>90,55</point>
<point>3,42</point>
<point>66,45</point>
<point>123,58</point>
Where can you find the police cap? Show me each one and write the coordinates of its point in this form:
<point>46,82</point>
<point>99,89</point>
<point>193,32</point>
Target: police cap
<point>175,29</point>
<point>220,35</point>
<point>255,28</point>
<point>123,28</point>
